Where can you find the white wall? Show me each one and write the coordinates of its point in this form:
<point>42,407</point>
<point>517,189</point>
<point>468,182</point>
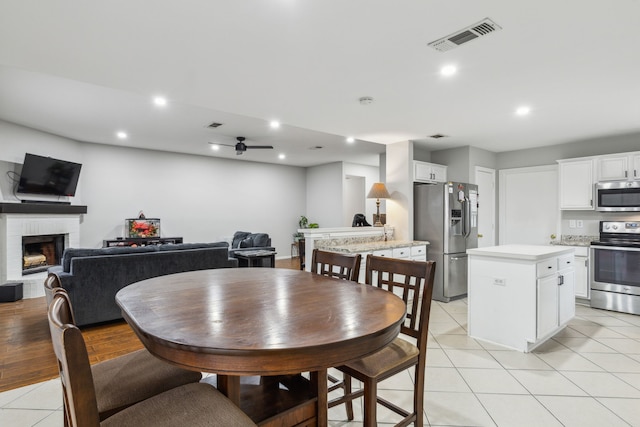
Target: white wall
<point>324,195</point>
<point>199,198</point>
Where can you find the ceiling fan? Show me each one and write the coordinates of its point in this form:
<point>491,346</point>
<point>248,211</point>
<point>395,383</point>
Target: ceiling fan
<point>241,147</point>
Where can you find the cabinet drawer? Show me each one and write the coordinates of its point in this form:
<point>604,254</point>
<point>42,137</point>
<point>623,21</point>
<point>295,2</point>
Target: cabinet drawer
<point>418,250</point>
<point>383,252</point>
<point>401,252</point>
<point>565,261</point>
<point>546,267</point>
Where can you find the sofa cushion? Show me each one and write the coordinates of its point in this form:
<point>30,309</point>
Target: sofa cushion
<point>238,236</point>
<point>260,240</point>
<point>182,246</point>
<point>70,253</point>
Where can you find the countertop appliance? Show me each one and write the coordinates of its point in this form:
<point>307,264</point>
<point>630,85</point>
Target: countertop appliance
<point>618,196</point>
<point>615,267</point>
<point>446,215</point>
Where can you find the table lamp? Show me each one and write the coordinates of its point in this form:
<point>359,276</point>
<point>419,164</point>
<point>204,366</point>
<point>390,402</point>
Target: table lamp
<point>378,191</point>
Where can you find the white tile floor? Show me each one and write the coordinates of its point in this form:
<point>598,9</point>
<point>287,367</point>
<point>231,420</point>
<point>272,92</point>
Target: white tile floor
<point>587,375</point>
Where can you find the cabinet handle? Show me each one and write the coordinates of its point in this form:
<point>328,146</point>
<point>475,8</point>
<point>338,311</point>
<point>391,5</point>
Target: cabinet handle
<point>625,174</point>
<point>586,263</point>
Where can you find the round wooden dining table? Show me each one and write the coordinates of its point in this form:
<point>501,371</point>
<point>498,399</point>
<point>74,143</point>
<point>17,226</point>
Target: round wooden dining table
<point>261,321</point>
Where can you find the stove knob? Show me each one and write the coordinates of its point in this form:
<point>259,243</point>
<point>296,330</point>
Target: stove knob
<point>615,227</point>
<point>606,227</point>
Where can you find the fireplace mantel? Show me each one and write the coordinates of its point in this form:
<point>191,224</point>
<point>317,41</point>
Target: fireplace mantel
<point>41,208</point>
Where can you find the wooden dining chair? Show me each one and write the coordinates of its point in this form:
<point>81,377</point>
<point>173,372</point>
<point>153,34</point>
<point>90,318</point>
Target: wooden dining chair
<point>334,264</point>
<point>413,282</point>
<point>191,404</point>
<point>128,379</point>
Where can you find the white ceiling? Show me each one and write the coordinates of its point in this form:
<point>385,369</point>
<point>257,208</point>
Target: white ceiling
<point>86,69</point>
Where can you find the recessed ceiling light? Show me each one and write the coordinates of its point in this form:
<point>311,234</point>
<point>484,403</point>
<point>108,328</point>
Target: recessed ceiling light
<point>122,135</point>
<point>523,111</point>
<point>215,147</point>
<point>274,124</point>
<point>351,140</point>
<point>448,70</point>
<point>160,101</point>
<point>282,156</point>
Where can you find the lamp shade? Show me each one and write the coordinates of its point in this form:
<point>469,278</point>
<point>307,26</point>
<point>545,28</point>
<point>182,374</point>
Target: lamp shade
<point>378,191</point>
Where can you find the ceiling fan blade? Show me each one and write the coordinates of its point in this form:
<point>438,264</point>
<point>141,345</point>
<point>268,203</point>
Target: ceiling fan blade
<point>260,146</point>
<point>218,143</point>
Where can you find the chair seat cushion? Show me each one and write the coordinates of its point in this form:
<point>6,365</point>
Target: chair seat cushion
<point>393,357</point>
<point>191,405</point>
<point>129,379</point>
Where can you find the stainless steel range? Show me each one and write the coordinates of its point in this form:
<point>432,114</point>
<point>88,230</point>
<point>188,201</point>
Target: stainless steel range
<point>615,267</point>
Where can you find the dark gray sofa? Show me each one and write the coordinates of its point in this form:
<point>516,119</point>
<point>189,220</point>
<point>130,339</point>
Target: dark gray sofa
<point>92,277</point>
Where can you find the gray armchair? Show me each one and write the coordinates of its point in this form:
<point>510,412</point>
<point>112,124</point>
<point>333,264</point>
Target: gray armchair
<point>247,241</point>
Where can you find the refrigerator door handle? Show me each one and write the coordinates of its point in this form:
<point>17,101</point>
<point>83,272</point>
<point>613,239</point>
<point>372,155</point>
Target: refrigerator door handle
<point>466,217</point>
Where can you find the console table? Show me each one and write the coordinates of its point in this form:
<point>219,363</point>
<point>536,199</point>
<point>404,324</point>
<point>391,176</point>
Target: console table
<point>141,241</point>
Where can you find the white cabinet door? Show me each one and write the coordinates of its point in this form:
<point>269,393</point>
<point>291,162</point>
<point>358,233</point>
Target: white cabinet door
<point>419,253</point>
<point>635,173</point>
<point>582,277</point>
<point>439,173</point>
<point>613,168</point>
<point>401,252</point>
<point>566,296</point>
<point>576,185</point>
<point>547,316</point>
<point>429,172</point>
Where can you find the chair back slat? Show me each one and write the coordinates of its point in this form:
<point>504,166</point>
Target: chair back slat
<point>413,282</point>
<point>81,407</point>
<point>334,264</point>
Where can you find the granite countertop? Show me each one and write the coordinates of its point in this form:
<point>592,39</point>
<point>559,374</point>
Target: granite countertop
<point>523,252</point>
<point>375,246</point>
<point>575,240</point>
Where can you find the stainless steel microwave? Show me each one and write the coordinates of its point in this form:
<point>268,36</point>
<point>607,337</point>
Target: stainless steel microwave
<point>618,196</point>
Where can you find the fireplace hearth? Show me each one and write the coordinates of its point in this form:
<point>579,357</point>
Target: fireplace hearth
<point>41,252</point>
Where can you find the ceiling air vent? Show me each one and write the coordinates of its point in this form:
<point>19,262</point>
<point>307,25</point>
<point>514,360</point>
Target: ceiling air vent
<point>214,125</point>
<point>437,136</point>
<point>479,29</point>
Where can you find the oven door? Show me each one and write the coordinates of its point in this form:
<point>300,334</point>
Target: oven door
<point>615,269</point>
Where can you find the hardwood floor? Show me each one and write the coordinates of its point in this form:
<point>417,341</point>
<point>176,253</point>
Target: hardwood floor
<point>27,356</point>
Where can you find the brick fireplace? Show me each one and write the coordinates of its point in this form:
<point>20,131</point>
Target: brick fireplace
<point>40,231</point>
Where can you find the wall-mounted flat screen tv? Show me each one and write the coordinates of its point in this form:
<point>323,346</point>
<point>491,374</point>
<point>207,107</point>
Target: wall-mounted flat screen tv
<point>46,175</point>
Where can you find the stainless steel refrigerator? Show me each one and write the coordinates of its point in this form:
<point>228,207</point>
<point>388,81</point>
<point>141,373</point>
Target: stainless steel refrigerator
<point>446,215</point>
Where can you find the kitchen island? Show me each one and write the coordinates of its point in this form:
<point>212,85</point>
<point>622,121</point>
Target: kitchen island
<point>520,295</point>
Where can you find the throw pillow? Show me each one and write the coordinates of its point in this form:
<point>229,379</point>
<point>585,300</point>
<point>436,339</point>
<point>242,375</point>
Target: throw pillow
<point>247,243</point>
<point>238,236</point>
